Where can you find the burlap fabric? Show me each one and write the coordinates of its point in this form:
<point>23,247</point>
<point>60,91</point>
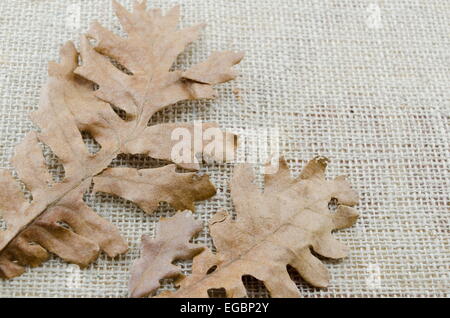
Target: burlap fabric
<point>365,83</point>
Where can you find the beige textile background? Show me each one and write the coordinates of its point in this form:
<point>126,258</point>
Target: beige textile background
<point>365,83</point>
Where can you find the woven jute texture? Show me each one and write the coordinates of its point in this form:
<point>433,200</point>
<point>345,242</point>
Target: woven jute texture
<point>364,83</point>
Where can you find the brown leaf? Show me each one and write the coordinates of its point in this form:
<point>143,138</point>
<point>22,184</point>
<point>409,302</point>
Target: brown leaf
<point>275,228</point>
<point>158,255</point>
<point>152,45</point>
<point>57,220</point>
<point>221,63</point>
<point>148,187</point>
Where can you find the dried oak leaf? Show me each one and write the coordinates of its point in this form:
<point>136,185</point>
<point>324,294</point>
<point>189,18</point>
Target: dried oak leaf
<point>273,229</point>
<point>157,255</point>
<point>57,220</point>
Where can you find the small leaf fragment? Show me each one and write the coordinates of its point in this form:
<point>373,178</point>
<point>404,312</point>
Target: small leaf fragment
<point>157,255</point>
